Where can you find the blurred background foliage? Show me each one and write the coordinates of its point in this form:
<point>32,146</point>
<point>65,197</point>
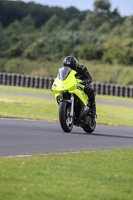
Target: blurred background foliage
<point>34,39</point>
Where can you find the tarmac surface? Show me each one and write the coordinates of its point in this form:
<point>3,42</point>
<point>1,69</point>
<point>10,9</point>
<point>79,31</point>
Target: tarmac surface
<point>26,137</point>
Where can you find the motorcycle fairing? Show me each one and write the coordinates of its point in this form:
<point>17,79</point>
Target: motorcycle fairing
<point>70,84</point>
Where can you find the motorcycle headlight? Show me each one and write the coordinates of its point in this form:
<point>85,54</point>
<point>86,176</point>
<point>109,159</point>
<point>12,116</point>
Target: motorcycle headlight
<point>62,92</point>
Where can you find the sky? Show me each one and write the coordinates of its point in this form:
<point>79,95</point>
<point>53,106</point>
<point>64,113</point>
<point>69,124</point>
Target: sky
<point>125,7</point>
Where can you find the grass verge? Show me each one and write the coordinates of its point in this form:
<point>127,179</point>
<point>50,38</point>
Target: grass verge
<point>114,115</point>
<point>110,115</point>
<point>85,175</point>
<point>28,108</point>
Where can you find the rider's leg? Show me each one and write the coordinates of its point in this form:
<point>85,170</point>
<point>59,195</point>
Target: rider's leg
<point>91,95</point>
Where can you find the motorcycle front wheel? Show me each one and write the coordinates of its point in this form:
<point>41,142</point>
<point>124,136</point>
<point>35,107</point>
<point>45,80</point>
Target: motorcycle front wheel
<point>66,121</point>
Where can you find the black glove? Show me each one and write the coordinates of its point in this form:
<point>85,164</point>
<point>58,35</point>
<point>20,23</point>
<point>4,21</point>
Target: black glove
<point>85,82</point>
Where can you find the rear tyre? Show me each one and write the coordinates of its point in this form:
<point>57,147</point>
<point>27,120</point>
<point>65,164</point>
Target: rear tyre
<point>90,127</point>
<point>66,121</point>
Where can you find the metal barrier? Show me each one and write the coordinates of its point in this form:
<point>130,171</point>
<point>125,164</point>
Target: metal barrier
<point>25,80</point>
<point>113,89</point>
<point>46,83</point>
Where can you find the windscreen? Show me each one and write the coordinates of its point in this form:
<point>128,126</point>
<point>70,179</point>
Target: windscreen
<point>63,73</point>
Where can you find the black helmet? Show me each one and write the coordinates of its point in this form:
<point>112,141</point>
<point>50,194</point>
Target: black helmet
<point>71,62</point>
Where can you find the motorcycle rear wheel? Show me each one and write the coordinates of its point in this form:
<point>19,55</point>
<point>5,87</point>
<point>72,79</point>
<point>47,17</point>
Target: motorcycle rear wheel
<point>66,121</point>
<point>90,127</point>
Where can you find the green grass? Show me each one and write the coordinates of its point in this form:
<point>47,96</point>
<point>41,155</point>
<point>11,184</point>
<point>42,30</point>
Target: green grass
<point>28,108</point>
<point>114,115</point>
<point>110,115</point>
<point>47,109</point>
<point>26,99</point>
<point>28,111</point>
<point>94,175</point>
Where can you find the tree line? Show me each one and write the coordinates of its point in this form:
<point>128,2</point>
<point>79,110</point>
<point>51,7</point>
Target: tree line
<point>36,32</point>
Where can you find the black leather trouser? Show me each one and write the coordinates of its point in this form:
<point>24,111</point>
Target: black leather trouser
<point>91,95</point>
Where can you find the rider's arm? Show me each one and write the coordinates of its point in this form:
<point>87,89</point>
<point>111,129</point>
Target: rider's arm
<point>85,74</point>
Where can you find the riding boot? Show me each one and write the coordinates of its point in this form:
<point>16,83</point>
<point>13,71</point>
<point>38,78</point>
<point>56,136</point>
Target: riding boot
<point>93,104</point>
<point>91,96</point>
<point>93,109</point>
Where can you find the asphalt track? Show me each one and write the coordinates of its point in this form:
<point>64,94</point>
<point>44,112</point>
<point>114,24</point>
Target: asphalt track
<point>26,137</point>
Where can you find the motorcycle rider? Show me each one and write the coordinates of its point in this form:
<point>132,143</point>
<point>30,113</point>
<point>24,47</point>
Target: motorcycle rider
<point>84,75</point>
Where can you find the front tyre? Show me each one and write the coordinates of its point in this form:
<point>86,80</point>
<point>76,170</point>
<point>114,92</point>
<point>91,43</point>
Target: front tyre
<point>66,121</point>
<point>90,126</point>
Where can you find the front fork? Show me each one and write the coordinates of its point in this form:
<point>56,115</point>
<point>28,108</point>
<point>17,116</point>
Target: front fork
<point>72,105</point>
<point>71,101</point>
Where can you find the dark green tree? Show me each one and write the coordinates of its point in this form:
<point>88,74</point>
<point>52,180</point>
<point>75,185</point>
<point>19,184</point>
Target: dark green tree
<point>73,24</point>
<point>102,5</point>
<point>53,24</point>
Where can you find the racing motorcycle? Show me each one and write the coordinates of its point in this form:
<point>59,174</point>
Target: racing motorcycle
<point>74,108</point>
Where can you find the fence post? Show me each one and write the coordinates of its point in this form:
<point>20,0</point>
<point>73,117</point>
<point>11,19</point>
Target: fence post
<point>8,79</point>
<point>123,91</point>
<point>130,91</point>
<point>98,88</point>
